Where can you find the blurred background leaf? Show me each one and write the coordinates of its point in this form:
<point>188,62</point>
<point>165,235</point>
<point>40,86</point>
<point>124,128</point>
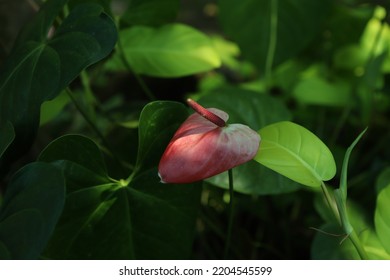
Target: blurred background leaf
<point>248,22</point>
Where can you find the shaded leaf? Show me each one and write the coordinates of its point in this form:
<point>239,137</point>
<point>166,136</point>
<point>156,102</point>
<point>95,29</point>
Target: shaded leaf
<point>152,139</point>
<point>150,12</point>
<point>77,149</point>
<point>255,179</point>
<point>246,106</point>
<point>136,218</point>
<point>296,153</point>
<point>7,135</point>
<point>106,4</point>
<point>248,22</point>
<point>38,29</point>
<point>30,210</point>
<point>40,67</point>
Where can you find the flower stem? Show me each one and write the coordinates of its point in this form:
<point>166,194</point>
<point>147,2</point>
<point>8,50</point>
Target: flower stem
<point>231,214</point>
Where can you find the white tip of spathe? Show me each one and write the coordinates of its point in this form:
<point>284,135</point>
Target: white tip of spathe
<point>161,180</point>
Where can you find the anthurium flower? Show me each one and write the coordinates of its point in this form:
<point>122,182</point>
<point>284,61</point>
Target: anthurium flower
<point>204,146</point>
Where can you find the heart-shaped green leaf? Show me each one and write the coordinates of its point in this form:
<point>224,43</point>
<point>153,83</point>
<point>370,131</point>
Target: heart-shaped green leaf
<point>173,50</point>
<point>30,210</point>
<point>296,153</point>
<point>40,67</point>
<point>126,219</point>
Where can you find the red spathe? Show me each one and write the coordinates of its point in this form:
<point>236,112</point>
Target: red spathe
<point>201,149</point>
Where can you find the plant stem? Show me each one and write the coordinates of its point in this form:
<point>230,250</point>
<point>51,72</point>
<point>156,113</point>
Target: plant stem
<point>231,214</point>
<point>140,81</point>
<point>329,201</point>
<point>87,118</point>
<point>343,221</point>
<point>358,246</point>
<point>272,43</point>
<point>87,87</point>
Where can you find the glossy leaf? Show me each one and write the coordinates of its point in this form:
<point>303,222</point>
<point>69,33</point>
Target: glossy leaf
<point>252,23</point>
<point>382,217</point>
<point>173,50</point>
<point>40,67</point>
<point>255,110</point>
<point>30,210</point>
<point>296,153</point>
<point>75,153</point>
<point>152,139</point>
<point>150,12</point>
<point>126,219</point>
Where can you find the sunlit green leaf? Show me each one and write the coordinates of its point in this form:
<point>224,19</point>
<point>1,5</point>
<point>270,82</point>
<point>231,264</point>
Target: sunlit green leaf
<point>383,180</point>
<point>171,51</point>
<point>382,217</point>
<point>296,153</point>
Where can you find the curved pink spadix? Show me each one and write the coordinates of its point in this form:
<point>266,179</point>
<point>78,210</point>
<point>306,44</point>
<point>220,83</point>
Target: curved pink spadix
<point>201,149</point>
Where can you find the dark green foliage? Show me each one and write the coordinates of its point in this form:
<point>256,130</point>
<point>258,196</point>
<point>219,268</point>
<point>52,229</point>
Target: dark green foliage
<point>79,174</point>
